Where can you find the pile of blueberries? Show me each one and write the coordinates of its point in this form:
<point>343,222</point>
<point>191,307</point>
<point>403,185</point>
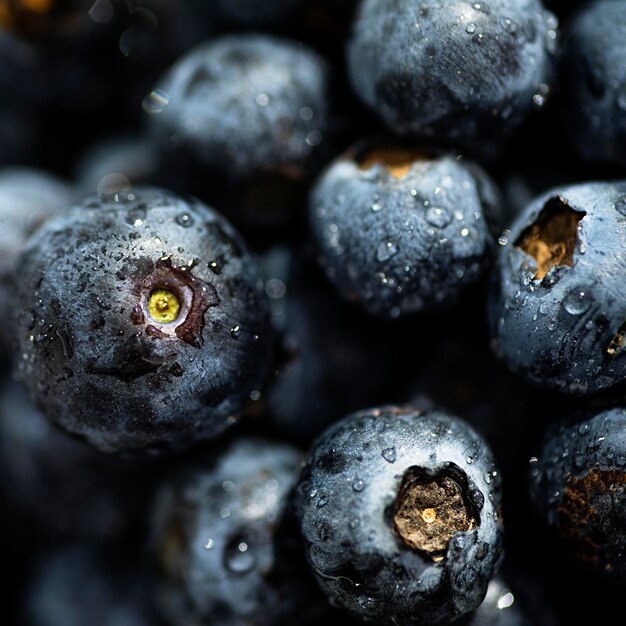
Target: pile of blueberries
<point>310,310</point>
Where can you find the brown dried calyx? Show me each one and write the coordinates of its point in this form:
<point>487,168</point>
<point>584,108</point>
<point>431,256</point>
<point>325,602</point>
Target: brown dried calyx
<point>551,239</point>
<point>430,509</point>
<point>396,160</point>
<point>618,341</point>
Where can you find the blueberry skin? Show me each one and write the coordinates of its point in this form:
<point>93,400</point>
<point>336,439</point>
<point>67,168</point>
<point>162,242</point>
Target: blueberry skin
<point>371,225</point>
<point>564,331</point>
<point>497,609</point>
<point>346,495</point>
<point>452,69</point>
<point>219,540</point>
<point>27,198</point>
<point>246,123</point>
<point>60,485</point>
<point>578,487</point>
<point>94,358</point>
<point>593,79</point>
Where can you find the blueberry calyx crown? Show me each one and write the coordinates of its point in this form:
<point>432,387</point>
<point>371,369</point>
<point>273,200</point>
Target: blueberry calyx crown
<point>551,239</point>
<point>172,303</point>
<point>431,507</point>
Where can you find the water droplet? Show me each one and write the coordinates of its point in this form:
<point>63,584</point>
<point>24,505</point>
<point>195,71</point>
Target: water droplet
<point>235,331</point>
<point>262,99</point>
<point>155,102</point>
<point>358,485</point>
<point>377,205</point>
<point>389,454</point>
<point>386,250</point>
<point>209,544</point>
<point>438,217</point>
<point>576,302</point>
<point>508,25</point>
<point>239,558</point>
<point>322,502</point>
<point>469,460</point>
<point>306,114</point>
<point>185,220</point>
<point>470,29</point>
<point>314,138</point>
<point>505,601</point>
<point>504,237</point>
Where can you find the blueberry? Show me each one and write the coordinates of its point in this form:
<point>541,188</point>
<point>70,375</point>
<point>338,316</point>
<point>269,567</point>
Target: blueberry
<point>400,231</point>
<point>143,324</point>
<point>81,584</point>
<point>579,487</point>
<point>219,539</point>
<point>455,70</point>
<point>27,198</point>
<point>243,122</point>
<point>64,487</point>
<point>400,515</point>
<point>557,312</point>
<point>594,82</point>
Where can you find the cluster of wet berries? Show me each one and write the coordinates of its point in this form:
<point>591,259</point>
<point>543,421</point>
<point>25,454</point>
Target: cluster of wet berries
<point>303,303</point>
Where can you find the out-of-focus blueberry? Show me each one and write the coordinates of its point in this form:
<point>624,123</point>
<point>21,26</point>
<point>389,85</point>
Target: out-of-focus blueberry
<point>454,70</point>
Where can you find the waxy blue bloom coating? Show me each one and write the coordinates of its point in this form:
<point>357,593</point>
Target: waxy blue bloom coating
<point>93,354</point>
<point>561,321</point>
<point>401,241</point>
<point>452,69</point>
<point>346,499</point>
<point>578,484</point>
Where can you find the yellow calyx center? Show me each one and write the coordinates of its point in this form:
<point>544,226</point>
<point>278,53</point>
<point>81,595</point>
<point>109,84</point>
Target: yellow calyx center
<point>429,515</point>
<point>163,306</point>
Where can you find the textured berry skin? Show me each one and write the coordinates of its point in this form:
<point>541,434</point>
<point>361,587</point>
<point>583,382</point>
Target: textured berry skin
<point>95,359</point>
<point>220,541</point>
<point>564,329</point>
<point>578,484</point>
<point>345,499</point>
<point>452,69</point>
<point>27,198</point>
<point>249,113</point>
<point>402,244</point>
<point>594,82</point>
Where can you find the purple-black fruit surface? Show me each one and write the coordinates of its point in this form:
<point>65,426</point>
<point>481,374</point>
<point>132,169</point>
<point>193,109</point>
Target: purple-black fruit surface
<point>143,323</point>
<point>400,513</point>
<point>593,77</point>
<point>578,484</point>
<point>400,231</point>
<point>222,550</point>
<point>454,70</point>
<point>558,315</point>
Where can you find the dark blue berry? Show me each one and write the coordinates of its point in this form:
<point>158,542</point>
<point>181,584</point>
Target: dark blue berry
<point>558,314</point>
<point>400,515</point>
<point>456,70</point>
<point>399,231</point>
<point>143,321</point>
